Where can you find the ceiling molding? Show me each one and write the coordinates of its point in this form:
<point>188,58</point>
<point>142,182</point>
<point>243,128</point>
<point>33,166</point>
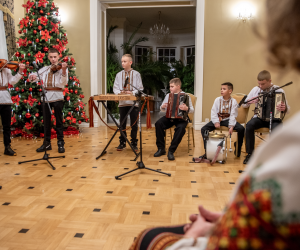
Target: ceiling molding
<point>139,4</point>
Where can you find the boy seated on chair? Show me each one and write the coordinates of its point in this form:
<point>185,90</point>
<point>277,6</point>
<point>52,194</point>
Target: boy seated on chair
<point>223,113</point>
<point>165,123</point>
<point>264,85</point>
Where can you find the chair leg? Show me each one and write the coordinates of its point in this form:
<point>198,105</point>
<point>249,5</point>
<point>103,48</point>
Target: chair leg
<point>188,140</point>
<point>165,139</point>
<point>193,137</point>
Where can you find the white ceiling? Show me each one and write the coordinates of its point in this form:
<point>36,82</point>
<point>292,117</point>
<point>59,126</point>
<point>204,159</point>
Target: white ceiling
<point>176,18</point>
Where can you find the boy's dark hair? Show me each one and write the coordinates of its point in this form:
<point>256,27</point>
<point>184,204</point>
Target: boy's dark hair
<point>264,75</point>
<point>228,84</point>
<point>53,50</point>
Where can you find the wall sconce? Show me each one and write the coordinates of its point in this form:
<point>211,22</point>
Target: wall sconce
<point>245,17</point>
<point>244,10</point>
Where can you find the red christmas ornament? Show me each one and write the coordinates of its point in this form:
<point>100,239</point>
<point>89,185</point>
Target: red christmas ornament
<point>37,114</point>
<point>69,113</point>
<point>42,121</point>
<point>20,31</point>
<point>30,89</point>
<point>33,8</point>
<point>17,88</point>
<point>22,56</point>
<point>28,115</point>
<point>71,90</point>
<point>39,103</point>
<point>52,111</point>
<point>37,40</point>
<point>34,32</point>
<point>41,11</point>
<point>57,40</point>
<point>64,120</point>
<point>76,109</point>
<point>66,59</point>
<point>51,8</point>
<point>79,122</point>
<point>45,49</point>
<point>82,96</point>
<point>27,17</point>
<point>68,98</point>
<point>25,101</point>
<point>22,90</point>
<point>29,42</point>
<point>65,34</point>
<point>31,25</point>
<point>83,112</point>
<point>33,14</point>
<point>24,31</point>
<point>27,63</point>
<point>76,91</point>
<point>74,77</point>
<point>67,85</point>
<point>40,90</point>
<point>29,54</point>
<point>32,20</point>
<point>48,13</point>
<point>70,77</point>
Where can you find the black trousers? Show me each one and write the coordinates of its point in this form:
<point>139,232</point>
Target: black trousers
<point>58,107</point>
<point>165,123</point>
<point>133,117</point>
<point>253,124</point>
<point>5,112</point>
<point>238,127</point>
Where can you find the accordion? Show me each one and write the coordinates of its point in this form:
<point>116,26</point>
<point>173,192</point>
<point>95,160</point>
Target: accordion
<point>175,100</point>
<point>267,104</point>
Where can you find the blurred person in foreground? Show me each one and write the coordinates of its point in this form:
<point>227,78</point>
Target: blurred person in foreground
<point>264,209</point>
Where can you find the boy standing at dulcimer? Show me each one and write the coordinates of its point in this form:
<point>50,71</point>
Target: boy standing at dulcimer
<point>6,102</point>
<point>128,75</point>
<point>54,82</point>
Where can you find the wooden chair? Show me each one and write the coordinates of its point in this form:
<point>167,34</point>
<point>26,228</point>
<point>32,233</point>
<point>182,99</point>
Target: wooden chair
<point>190,126</point>
<point>242,114</point>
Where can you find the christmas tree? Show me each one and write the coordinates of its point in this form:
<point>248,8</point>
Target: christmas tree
<point>40,30</point>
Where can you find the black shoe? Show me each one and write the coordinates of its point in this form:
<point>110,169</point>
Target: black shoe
<point>134,146</point>
<point>61,148</point>
<point>247,158</point>
<point>44,147</point>
<point>160,152</point>
<point>121,146</point>
<point>9,151</point>
<point>237,152</point>
<point>171,156</point>
<point>203,156</point>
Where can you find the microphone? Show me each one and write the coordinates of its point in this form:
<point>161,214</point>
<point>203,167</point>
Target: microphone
<point>242,101</point>
<point>126,82</point>
<point>35,65</point>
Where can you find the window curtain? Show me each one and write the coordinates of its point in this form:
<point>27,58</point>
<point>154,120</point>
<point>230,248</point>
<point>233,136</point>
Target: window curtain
<point>7,8</point>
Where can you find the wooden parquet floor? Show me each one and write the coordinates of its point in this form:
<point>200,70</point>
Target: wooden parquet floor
<point>81,205</point>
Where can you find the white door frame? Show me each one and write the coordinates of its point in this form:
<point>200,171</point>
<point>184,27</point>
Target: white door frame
<point>98,48</point>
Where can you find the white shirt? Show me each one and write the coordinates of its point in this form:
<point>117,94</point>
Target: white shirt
<point>166,100</point>
<point>233,112</point>
<point>135,80</point>
<point>5,97</point>
<point>58,81</point>
<point>257,91</point>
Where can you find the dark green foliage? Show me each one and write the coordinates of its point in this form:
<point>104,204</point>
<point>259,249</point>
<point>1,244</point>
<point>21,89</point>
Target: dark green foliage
<point>186,75</point>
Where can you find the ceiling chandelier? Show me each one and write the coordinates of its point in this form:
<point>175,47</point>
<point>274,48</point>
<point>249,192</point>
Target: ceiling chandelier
<point>159,30</point>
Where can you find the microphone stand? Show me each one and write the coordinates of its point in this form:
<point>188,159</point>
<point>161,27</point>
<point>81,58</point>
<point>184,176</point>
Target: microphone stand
<point>140,163</point>
<point>46,156</point>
